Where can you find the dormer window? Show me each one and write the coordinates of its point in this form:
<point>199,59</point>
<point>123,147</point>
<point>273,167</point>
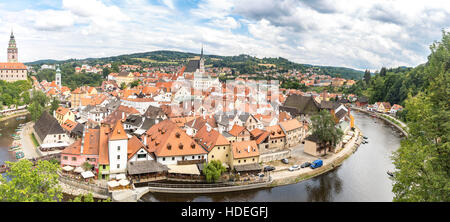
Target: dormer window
<point>169,146</point>
<point>177,135</point>
<point>180,146</point>
<point>193,145</point>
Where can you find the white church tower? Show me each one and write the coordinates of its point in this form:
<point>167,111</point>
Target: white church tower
<point>58,77</point>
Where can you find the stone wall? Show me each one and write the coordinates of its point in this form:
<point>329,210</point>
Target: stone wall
<point>267,157</point>
<point>75,184</point>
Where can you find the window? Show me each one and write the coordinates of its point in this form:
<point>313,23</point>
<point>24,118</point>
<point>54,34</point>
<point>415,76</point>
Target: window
<point>118,166</point>
<point>245,161</point>
<point>253,160</point>
<point>74,159</point>
<point>118,157</point>
<point>226,155</point>
<point>212,156</point>
<point>173,158</point>
<point>118,148</point>
<point>104,167</point>
<point>164,159</point>
<point>193,157</point>
<point>142,156</point>
<point>64,157</point>
<point>239,161</point>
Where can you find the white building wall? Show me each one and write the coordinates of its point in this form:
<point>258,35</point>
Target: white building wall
<point>114,152</point>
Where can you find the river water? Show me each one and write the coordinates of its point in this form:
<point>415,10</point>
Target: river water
<point>7,128</point>
<point>361,177</point>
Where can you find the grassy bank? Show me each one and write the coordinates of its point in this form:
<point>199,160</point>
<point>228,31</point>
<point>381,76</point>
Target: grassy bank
<point>35,142</point>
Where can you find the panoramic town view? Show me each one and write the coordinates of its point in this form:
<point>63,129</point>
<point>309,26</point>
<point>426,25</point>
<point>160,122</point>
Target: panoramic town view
<point>224,101</point>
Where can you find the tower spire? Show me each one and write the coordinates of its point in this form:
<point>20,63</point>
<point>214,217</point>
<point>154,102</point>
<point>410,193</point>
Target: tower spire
<point>201,55</point>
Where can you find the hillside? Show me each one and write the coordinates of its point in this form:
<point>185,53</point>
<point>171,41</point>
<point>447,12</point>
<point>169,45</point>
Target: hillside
<point>243,64</point>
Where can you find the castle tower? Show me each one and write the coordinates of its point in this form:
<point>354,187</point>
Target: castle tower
<point>12,49</point>
<point>202,63</point>
<point>58,77</point>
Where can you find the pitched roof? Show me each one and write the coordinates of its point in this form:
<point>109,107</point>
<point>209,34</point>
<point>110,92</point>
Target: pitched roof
<point>62,110</point>
<point>166,139</point>
<point>209,139</point>
<point>146,166</point>
<point>47,124</point>
<point>303,104</point>
<point>89,147</point>
<point>275,131</point>
<point>134,145</point>
<point>290,125</point>
<point>103,158</point>
<point>245,149</point>
<point>118,133</point>
<point>192,66</point>
<point>15,65</point>
<point>236,130</point>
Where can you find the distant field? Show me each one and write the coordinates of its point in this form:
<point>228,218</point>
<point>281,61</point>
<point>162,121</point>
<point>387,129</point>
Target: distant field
<point>154,61</point>
<point>267,65</point>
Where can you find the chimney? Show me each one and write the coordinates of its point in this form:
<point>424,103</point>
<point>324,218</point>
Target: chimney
<point>123,115</point>
<point>145,140</point>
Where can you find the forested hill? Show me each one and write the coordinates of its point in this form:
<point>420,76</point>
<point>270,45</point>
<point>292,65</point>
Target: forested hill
<point>243,64</point>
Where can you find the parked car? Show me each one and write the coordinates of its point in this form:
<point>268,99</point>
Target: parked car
<point>305,164</point>
<point>285,161</point>
<point>294,167</point>
<point>316,164</point>
<point>268,168</point>
<point>260,175</point>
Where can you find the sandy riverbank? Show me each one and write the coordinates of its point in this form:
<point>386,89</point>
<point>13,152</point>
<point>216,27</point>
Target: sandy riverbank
<point>20,113</point>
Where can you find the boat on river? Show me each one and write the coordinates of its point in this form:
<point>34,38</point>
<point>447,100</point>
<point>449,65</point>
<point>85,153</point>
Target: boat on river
<point>14,149</point>
<point>19,155</point>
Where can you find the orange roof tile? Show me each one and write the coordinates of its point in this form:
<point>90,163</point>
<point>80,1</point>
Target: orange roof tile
<point>134,145</point>
<point>275,131</point>
<point>236,130</point>
<point>166,139</point>
<point>291,124</point>
<point>118,132</point>
<point>209,139</point>
<point>10,65</point>
<point>103,146</point>
<point>245,149</point>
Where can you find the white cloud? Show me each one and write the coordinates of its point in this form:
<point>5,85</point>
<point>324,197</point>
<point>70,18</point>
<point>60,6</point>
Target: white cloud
<point>352,33</point>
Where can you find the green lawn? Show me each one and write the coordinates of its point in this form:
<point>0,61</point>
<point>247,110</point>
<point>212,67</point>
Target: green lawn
<point>35,142</point>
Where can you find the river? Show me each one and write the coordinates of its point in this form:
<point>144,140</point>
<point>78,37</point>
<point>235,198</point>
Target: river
<point>361,178</point>
<point>7,128</point>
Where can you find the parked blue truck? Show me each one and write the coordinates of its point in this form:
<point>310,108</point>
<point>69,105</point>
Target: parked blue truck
<point>316,164</point>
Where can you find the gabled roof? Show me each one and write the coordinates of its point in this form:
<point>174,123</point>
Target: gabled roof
<point>118,133</point>
<point>47,125</point>
<point>275,131</point>
<point>89,147</point>
<point>244,149</point>
<point>134,145</point>
<point>209,139</point>
<point>103,158</point>
<point>166,139</point>
<point>236,130</point>
<point>303,104</point>
<point>192,66</point>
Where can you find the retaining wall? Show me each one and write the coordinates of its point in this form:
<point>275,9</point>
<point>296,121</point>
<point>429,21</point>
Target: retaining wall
<point>267,157</point>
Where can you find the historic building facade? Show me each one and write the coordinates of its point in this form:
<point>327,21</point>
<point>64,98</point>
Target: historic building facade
<point>12,70</point>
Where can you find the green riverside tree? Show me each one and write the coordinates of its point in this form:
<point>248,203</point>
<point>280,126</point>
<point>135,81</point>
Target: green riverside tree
<point>324,129</point>
<point>213,170</point>
<point>423,160</point>
<point>30,183</point>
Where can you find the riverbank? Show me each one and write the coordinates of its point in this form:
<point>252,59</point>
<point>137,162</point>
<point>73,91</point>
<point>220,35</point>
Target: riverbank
<point>402,127</point>
<point>28,147</point>
<point>286,177</point>
<point>14,115</point>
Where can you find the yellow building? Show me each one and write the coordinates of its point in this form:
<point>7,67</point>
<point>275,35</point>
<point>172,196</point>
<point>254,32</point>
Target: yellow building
<point>244,153</point>
<point>124,77</point>
<point>216,144</point>
<point>62,114</point>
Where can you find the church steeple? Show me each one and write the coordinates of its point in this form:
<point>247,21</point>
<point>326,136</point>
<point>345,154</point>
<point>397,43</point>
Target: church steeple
<point>12,49</point>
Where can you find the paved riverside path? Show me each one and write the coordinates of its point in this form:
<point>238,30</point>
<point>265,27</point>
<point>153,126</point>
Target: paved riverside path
<point>284,176</point>
<point>27,144</point>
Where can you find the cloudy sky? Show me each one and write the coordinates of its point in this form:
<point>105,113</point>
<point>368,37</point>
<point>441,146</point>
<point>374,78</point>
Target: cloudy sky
<point>350,33</point>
